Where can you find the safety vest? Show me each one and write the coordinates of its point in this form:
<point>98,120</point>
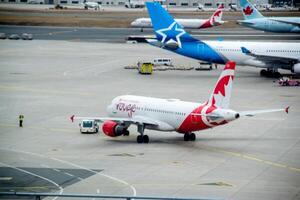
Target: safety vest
<point>21,117</point>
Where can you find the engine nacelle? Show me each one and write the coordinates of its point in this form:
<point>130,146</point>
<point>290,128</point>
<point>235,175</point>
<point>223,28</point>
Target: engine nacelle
<point>113,129</point>
<point>296,68</point>
<point>171,44</point>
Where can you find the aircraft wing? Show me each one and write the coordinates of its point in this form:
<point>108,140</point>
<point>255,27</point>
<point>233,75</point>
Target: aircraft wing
<point>256,112</point>
<point>133,120</point>
<point>287,22</point>
<point>244,22</point>
<point>268,58</point>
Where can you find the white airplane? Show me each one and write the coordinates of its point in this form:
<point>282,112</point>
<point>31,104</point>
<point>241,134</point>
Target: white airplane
<point>214,20</point>
<point>173,114</point>
<point>91,4</point>
<point>254,19</point>
<point>270,55</point>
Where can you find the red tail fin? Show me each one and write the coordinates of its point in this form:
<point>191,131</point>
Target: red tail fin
<point>222,91</point>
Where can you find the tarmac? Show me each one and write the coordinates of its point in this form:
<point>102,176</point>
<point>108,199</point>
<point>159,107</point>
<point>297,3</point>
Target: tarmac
<point>120,35</point>
<point>49,80</point>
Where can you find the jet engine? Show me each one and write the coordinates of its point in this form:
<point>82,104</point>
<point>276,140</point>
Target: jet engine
<point>296,68</point>
<point>171,44</point>
<point>113,129</point>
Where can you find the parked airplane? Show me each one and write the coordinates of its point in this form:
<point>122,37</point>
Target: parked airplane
<point>91,4</point>
<point>270,55</point>
<point>173,114</point>
<point>214,20</point>
<point>254,19</point>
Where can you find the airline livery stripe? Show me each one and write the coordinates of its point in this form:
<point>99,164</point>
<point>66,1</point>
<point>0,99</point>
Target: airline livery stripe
<point>228,72</point>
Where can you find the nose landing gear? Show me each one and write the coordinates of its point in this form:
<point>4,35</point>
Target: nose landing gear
<point>142,138</point>
<point>189,137</point>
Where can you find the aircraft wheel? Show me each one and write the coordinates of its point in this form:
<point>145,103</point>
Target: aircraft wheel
<point>126,133</point>
<point>277,75</point>
<point>269,74</point>
<point>192,137</point>
<point>186,137</point>
<point>284,84</point>
<point>139,139</point>
<point>146,139</point>
<point>263,72</point>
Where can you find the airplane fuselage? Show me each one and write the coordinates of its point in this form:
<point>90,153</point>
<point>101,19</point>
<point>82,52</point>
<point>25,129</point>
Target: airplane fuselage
<point>92,5</point>
<point>186,23</point>
<point>273,24</point>
<point>232,51</point>
<point>169,114</point>
<point>222,51</point>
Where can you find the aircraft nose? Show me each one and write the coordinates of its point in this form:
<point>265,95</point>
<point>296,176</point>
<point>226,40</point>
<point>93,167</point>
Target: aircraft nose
<point>134,23</point>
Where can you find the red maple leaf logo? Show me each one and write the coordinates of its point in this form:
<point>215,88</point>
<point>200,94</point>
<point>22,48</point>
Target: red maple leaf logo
<point>248,10</point>
<point>217,14</point>
<point>221,6</point>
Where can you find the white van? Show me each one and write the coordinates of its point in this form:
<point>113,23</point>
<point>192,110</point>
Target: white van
<point>89,126</point>
<point>36,2</point>
<point>162,61</point>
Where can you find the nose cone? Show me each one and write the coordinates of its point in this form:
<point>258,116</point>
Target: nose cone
<point>133,24</point>
<point>226,114</point>
<point>230,115</point>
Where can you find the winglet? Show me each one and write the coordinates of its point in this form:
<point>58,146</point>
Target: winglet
<point>287,109</point>
<point>245,50</point>
<point>72,118</point>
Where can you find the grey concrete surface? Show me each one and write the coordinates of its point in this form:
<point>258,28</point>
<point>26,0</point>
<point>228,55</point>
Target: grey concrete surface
<point>120,34</point>
<point>22,179</point>
<point>48,81</point>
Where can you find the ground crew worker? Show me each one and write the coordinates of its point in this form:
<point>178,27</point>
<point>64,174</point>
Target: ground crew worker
<point>21,118</point>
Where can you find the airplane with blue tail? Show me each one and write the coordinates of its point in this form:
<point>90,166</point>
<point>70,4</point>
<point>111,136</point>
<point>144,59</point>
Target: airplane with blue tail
<point>268,55</point>
<point>254,19</point>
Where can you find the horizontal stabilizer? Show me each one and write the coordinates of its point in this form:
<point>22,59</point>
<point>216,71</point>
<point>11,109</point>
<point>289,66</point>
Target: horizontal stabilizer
<point>245,22</point>
<point>256,112</point>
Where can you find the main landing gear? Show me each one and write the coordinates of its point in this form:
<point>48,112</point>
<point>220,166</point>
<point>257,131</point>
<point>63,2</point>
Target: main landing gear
<point>126,133</point>
<point>142,138</point>
<point>189,137</point>
<point>270,73</point>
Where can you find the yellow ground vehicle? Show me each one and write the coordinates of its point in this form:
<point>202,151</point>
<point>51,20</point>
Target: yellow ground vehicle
<point>145,67</point>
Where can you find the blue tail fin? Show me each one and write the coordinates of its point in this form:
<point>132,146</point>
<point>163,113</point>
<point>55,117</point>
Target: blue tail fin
<point>167,30</point>
<point>249,11</point>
